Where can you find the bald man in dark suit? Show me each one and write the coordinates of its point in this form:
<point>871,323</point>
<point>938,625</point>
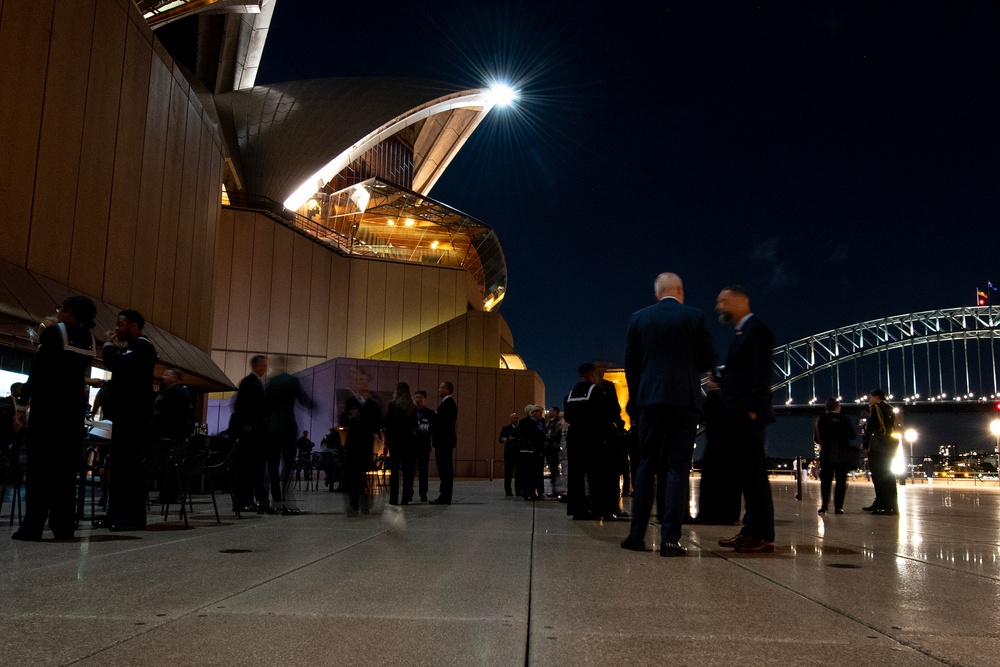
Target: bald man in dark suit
<point>668,347</point>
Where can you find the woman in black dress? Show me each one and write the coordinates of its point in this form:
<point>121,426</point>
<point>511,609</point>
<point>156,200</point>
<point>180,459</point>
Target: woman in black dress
<point>400,423</point>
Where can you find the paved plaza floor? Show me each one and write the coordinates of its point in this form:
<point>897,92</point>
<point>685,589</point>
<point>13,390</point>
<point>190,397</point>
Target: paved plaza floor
<point>491,580</point>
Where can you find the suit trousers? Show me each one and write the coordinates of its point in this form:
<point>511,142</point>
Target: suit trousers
<point>250,470</point>
<point>423,459</point>
<point>510,456</point>
<point>272,457</point>
<point>748,438</point>
<point>828,472</point>
<point>285,446</point>
<point>666,444</point>
<point>883,480</point>
<point>444,458</point>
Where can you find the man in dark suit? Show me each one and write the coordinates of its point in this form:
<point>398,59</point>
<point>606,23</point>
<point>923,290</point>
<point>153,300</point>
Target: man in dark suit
<point>245,425</point>
<point>745,388</point>
<point>280,431</point>
<point>444,438</point>
<point>668,346</point>
<point>837,456</point>
<point>510,453</point>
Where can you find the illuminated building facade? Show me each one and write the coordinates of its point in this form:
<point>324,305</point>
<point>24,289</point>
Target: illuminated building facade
<point>145,169</point>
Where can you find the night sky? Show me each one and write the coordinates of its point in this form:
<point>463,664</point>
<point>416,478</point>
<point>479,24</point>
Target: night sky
<point>839,159</point>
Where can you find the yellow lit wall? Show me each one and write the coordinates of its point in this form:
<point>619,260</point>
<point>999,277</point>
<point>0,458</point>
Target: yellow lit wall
<point>278,292</point>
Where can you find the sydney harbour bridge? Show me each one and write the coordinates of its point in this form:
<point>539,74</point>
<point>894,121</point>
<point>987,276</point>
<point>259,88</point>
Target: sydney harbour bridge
<point>931,361</point>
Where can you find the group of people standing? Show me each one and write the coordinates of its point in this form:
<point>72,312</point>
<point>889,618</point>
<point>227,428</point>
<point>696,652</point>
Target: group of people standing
<point>668,352</point>
<point>263,421</point>
<point>529,443</point>
<point>265,430</point>
<point>834,434</point>
<point>409,433</point>
<point>55,392</point>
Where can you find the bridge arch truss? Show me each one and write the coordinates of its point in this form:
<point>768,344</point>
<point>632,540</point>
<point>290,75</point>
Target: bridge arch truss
<point>936,355</point>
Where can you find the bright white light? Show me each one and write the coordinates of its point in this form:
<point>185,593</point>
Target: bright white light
<point>501,94</point>
<point>910,435</point>
<point>408,222</point>
<point>995,427</point>
<point>899,461</point>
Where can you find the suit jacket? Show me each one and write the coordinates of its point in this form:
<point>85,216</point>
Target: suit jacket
<point>747,377</point>
<point>443,428</point>
<point>833,434</point>
<point>667,348</point>
<point>249,407</point>
<point>280,397</point>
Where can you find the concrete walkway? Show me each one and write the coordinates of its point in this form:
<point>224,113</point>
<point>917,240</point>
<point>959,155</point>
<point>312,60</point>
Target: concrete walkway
<point>497,581</point>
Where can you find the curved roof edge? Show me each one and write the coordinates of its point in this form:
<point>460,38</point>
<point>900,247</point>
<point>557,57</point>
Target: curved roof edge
<point>292,137</point>
<point>474,98</point>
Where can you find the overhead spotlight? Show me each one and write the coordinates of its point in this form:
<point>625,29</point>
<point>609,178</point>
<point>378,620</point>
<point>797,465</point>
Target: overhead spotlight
<point>501,94</point>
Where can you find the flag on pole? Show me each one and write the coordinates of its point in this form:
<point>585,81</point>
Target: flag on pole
<point>981,298</point>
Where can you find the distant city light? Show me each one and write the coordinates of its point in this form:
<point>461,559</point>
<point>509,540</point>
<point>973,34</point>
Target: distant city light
<point>502,94</point>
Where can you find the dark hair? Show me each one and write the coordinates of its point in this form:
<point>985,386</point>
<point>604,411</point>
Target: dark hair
<point>877,393</point>
<point>586,368</point>
<point>420,392</point>
<point>83,309</point>
<point>402,398</point>
<point>449,385</point>
<point>556,408</point>
<point>257,358</point>
<point>133,316</point>
<point>831,404</point>
<point>737,289</point>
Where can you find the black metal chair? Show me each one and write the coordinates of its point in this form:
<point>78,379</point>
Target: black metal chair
<point>221,460</point>
<point>161,466</point>
<point>91,475</point>
<point>13,477</point>
<point>193,464</point>
<point>304,468</point>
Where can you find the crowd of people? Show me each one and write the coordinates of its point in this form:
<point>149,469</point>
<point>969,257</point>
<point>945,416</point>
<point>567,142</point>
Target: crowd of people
<point>669,357</point>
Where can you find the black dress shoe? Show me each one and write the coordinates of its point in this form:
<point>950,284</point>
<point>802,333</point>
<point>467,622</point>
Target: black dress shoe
<point>289,512</point>
<point>633,545</point>
<point>22,536</point>
<point>734,541</point>
<point>100,523</point>
<point>885,512</point>
<point>440,501</point>
<point>822,510</point>
<point>249,509</point>
<point>838,511</point>
<point>672,550</point>
<point>266,509</point>
<point>584,516</point>
<point>870,508</point>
